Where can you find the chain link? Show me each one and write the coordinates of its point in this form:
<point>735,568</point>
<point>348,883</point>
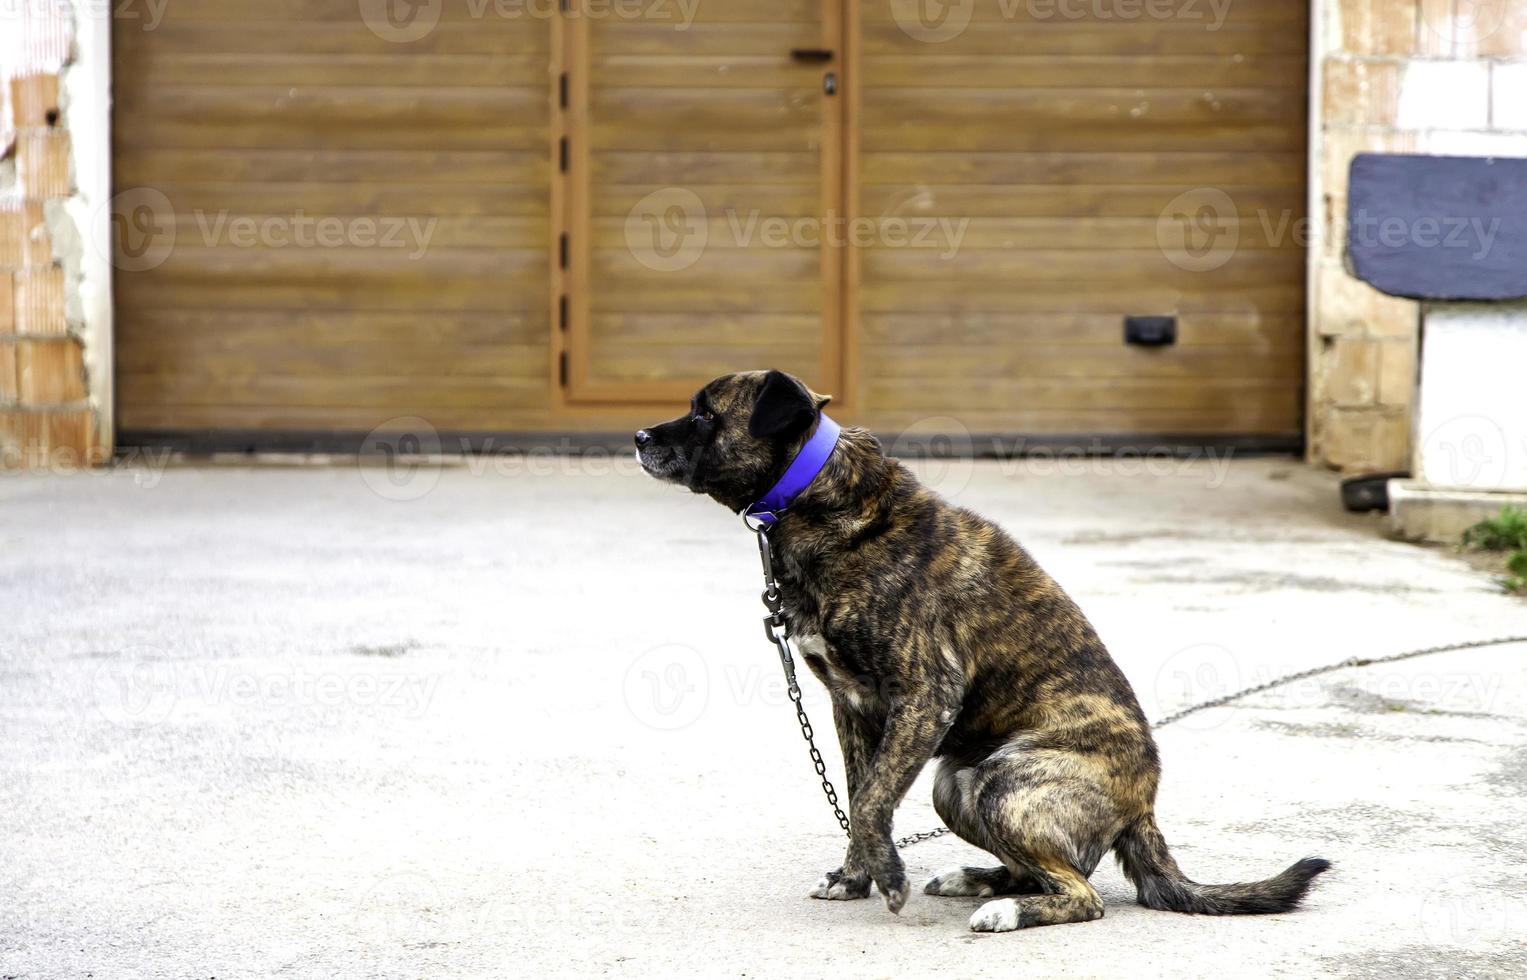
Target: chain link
<point>779,634</point>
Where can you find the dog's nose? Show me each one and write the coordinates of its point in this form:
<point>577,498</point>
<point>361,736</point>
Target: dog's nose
<point>642,438</point>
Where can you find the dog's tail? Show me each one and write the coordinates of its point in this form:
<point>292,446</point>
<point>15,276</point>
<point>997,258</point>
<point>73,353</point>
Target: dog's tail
<point>1161,885</point>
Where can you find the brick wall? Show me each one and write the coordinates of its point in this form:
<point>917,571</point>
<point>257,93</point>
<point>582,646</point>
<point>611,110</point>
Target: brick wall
<point>1446,77</point>
<point>46,417</point>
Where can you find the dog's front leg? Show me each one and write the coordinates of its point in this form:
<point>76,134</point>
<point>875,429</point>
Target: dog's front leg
<point>914,727</point>
<point>858,734</point>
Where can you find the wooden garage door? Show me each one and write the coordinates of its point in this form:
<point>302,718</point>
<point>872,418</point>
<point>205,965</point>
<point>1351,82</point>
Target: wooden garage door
<point>1112,160</point>
<point>358,195</point>
<point>331,213</point>
<point>706,166</point>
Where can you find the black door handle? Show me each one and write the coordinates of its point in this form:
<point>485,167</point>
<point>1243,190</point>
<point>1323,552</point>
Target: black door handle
<point>815,56</point>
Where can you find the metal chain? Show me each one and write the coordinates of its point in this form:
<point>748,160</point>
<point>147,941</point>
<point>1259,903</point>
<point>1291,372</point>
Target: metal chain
<point>778,633</point>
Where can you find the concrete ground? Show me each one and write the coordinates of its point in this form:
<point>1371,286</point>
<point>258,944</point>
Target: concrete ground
<point>517,718</point>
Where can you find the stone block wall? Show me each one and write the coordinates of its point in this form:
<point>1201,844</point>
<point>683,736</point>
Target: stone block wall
<point>1444,77</point>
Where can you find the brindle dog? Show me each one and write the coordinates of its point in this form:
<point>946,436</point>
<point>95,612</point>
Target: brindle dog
<point>938,636</point>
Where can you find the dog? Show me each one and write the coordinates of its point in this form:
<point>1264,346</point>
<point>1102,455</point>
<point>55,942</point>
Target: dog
<point>939,637</point>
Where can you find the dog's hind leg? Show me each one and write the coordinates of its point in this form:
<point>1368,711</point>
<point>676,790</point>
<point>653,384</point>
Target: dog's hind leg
<point>1045,817</point>
<point>959,815</point>
<point>1074,901</point>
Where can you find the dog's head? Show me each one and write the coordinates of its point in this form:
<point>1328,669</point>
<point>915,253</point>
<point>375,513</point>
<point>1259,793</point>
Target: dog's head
<point>739,434</point>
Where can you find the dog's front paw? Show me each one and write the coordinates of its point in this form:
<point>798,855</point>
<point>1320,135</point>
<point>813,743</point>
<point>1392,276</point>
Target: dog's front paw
<point>841,887</point>
<point>890,876</point>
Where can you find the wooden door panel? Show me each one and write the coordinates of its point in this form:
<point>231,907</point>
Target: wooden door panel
<point>1061,147</point>
<point>701,167</point>
<point>431,156</point>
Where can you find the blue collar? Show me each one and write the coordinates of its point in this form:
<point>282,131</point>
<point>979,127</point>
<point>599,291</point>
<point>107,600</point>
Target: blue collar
<point>797,476</point>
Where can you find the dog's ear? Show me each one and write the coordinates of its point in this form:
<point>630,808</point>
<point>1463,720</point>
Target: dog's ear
<point>784,408</point>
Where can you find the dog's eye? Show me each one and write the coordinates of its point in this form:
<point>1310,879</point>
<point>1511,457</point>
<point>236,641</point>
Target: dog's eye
<point>706,416</point>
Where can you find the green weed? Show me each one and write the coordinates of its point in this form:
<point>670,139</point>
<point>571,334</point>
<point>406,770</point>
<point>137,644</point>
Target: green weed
<point>1506,531</point>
